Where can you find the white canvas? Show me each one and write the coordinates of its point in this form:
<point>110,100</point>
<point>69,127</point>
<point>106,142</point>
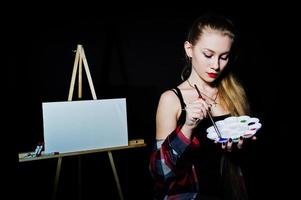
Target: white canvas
<point>73,126</point>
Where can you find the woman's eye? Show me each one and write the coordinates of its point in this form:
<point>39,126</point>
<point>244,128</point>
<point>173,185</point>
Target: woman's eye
<point>224,57</point>
<point>207,55</point>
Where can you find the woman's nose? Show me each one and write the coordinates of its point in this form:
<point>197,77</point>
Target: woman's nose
<point>214,64</point>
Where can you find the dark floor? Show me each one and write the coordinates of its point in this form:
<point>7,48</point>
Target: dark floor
<point>36,178</point>
<point>269,176</point>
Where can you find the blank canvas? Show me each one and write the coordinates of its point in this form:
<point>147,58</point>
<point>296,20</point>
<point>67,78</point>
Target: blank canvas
<point>73,126</point>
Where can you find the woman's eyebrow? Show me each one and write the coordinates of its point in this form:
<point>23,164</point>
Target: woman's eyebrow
<point>226,52</point>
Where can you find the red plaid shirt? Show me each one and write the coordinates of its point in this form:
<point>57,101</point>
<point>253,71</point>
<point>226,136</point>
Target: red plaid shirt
<point>175,179</point>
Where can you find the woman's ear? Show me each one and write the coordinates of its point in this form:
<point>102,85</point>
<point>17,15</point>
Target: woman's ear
<point>188,48</point>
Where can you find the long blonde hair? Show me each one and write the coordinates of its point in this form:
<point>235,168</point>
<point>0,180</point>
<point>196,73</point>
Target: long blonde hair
<point>233,96</point>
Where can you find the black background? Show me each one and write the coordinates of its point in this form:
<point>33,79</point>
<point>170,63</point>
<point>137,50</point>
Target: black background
<point>137,53</point>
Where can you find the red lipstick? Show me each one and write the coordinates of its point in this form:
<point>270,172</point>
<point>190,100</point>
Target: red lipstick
<point>212,75</point>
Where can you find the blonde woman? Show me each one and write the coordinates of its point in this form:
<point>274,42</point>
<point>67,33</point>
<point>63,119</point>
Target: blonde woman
<point>185,164</point>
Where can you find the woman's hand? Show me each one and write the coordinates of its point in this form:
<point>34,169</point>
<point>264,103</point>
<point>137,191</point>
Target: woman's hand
<point>229,144</point>
<point>195,112</point>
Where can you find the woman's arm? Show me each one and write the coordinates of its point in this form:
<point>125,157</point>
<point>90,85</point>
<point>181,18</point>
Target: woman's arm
<point>171,141</point>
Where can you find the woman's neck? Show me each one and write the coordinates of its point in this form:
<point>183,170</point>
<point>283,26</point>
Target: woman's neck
<point>194,79</point>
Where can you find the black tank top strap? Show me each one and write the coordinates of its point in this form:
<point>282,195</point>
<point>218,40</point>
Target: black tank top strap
<point>177,91</point>
<point>182,117</point>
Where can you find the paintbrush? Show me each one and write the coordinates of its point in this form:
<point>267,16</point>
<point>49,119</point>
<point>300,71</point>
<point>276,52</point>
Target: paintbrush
<point>209,114</point>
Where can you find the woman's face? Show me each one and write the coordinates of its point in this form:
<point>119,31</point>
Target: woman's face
<point>209,55</point>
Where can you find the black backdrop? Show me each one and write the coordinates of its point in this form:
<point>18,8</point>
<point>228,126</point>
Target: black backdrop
<point>137,54</point>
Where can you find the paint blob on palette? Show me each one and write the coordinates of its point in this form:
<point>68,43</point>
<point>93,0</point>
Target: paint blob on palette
<point>234,127</point>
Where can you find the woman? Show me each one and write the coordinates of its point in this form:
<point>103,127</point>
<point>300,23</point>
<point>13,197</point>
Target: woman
<point>185,164</point>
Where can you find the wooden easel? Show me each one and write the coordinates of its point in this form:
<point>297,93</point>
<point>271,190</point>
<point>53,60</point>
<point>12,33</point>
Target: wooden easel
<point>79,59</point>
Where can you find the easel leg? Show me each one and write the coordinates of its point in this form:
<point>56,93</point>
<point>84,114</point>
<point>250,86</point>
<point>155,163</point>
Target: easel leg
<point>57,176</point>
<point>115,174</point>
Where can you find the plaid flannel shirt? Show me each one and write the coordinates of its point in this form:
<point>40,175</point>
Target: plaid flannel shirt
<point>174,179</point>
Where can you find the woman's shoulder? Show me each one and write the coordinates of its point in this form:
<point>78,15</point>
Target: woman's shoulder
<point>174,92</point>
<point>178,92</point>
<point>169,95</point>
<point>169,105</point>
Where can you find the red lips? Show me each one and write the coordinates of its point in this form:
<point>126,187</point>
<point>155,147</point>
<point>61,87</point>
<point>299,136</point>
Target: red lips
<point>212,75</point>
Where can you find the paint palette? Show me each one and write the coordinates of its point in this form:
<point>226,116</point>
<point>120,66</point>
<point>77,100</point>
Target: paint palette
<point>234,127</point>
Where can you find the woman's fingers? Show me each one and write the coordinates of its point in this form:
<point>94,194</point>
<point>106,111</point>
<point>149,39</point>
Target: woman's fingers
<point>240,142</point>
<point>229,145</point>
<point>224,145</point>
<point>197,109</point>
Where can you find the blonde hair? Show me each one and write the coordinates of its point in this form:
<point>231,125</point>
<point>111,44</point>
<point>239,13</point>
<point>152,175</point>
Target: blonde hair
<point>233,96</point>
